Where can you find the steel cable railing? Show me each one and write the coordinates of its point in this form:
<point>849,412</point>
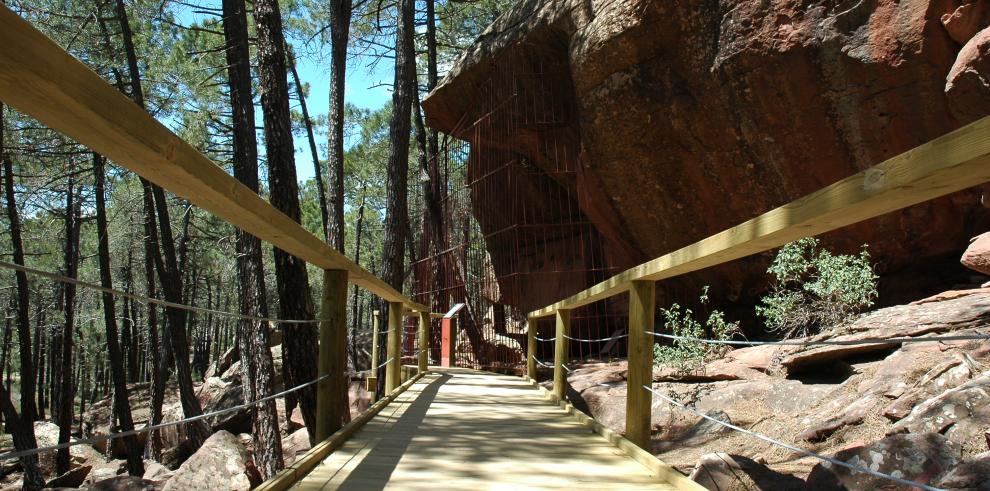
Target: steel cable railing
<point>147,300</point>
<point>809,453</point>
<point>94,439</point>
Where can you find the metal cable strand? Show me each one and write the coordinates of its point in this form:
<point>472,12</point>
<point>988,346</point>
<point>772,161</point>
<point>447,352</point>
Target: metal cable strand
<point>94,439</point>
<point>540,363</point>
<point>793,448</point>
<point>851,342</point>
<point>566,369</point>
<point>596,340</point>
<point>143,299</point>
<point>547,339</point>
<point>384,363</point>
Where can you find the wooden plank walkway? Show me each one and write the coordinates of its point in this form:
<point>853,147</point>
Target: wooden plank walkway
<point>463,429</point>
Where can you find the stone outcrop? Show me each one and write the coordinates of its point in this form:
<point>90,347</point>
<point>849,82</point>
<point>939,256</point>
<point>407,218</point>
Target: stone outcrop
<point>977,255</point>
<point>663,111</point>
<point>922,458</point>
<point>921,409</point>
<point>221,464</point>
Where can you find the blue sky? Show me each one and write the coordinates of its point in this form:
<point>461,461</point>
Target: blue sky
<point>363,88</point>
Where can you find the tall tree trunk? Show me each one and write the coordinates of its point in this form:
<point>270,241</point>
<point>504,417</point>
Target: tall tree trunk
<point>321,191</point>
<point>159,367</point>
<point>257,369</point>
<point>340,23</point>
<point>66,389</point>
<point>29,412</point>
<point>132,345</point>
<point>403,95</point>
<point>354,304</point>
<point>135,464</point>
<point>23,435</point>
<point>39,359</point>
<point>166,264</point>
<point>299,341</point>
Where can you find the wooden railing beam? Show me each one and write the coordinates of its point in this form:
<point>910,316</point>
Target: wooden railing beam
<point>40,79</point>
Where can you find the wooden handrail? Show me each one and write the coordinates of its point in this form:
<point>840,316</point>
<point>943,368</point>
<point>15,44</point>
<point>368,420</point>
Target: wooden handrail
<point>950,163</point>
<point>40,79</point>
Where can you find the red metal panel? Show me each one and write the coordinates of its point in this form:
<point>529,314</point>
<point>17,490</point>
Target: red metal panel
<point>447,342</point>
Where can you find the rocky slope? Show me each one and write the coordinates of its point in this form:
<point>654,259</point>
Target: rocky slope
<point>921,409</point>
<point>225,461</point>
<point>679,119</point>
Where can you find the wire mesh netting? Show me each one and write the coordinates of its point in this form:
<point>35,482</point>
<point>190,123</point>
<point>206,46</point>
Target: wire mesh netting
<point>499,225</point>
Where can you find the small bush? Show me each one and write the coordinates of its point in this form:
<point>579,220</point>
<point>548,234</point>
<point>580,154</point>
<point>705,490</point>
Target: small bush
<point>686,355</point>
<point>813,288</point>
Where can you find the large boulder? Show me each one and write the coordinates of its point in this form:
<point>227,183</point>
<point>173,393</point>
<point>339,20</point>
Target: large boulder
<point>962,413</point>
<point>723,472</point>
<point>977,255</point>
<point>153,471</point>
<point>923,458</point>
<point>125,483</point>
<point>641,117</point>
<point>106,470</point>
<point>221,464</point>
<point>80,456</point>
<point>295,445</point>
<point>972,474</point>
<point>968,83</point>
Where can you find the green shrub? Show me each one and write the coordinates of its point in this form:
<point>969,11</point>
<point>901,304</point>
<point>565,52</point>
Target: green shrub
<point>813,288</point>
<point>686,355</point>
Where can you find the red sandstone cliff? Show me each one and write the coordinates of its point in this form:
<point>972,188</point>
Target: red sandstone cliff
<point>682,118</point>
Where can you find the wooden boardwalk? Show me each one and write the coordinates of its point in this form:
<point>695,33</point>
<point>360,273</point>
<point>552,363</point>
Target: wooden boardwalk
<point>462,429</point>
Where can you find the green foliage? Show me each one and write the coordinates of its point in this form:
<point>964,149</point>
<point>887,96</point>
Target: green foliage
<point>686,355</point>
<point>814,288</point>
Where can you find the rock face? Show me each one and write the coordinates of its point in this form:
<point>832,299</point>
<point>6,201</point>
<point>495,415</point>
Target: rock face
<point>653,113</point>
<point>725,472</point>
<point>977,255</point>
<point>220,464</point>
<point>918,409</point>
<point>922,458</point>
<point>968,83</point>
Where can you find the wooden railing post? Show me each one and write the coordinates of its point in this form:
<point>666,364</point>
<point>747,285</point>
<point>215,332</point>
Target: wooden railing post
<point>333,343</point>
<point>393,348</point>
<point>642,303</point>
<point>560,354</point>
<point>371,384</point>
<point>531,347</point>
<point>424,341</point>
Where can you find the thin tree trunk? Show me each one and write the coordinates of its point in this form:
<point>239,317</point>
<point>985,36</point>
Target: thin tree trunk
<point>39,359</point>
<point>340,22</point>
<point>65,396</point>
<point>135,464</point>
<point>396,214</point>
<point>299,341</point>
<point>158,365</point>
<point>23,435</point>
<point>29,412</point>
<point>167,265</point>
<point>321,191</point>
<point>354,304</point>
<point>257,368</point>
